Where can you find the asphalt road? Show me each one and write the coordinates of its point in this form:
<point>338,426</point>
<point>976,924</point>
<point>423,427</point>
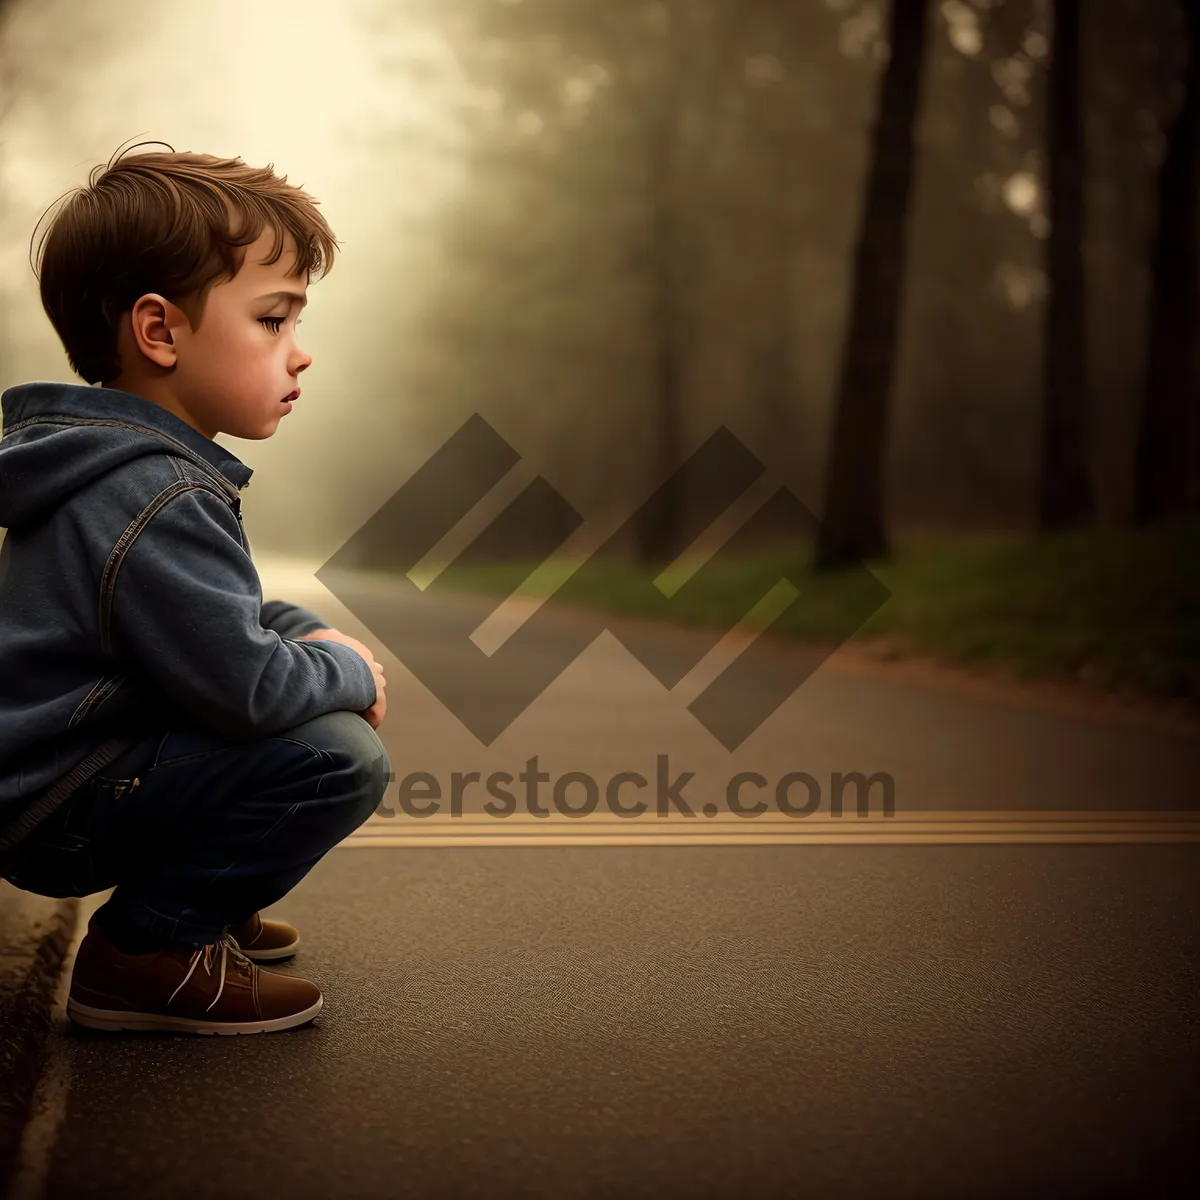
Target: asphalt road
<point>577,1018</point>
<point>643,1022</point>
<point>947,748</point>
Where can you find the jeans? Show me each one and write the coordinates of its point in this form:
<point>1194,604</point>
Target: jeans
<point>197,832</point>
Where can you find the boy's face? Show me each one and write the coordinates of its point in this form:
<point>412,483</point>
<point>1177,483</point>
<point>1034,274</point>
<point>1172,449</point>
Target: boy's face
<point>233,372</point>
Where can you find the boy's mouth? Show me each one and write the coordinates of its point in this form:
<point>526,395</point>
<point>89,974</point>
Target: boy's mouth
<point>290,396</point>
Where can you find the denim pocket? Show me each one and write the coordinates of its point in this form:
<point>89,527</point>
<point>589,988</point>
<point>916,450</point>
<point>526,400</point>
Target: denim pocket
<point>108,792</point>
<point>47,865</point>
<point>59,858</point>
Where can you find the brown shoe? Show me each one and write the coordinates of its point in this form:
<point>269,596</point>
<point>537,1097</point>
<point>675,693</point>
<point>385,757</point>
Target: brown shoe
<point>206,989</point>
<point>265,941</point>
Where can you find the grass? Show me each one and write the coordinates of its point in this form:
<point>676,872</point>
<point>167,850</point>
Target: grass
<point>1114,607</point>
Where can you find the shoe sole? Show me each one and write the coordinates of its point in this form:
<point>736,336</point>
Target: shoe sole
<point>115,1020</point>
<point>275,955</point>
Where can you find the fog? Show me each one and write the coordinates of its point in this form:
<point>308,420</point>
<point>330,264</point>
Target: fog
<point>594,222</point>
<point>317,93</point>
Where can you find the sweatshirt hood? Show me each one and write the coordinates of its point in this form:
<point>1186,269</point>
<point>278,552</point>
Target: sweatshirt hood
<point>60,437</point>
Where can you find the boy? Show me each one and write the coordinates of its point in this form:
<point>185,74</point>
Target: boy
<point>161,729</point>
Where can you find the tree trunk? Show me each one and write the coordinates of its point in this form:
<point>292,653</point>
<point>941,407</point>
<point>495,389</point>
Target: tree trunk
<point>658,530</point>
<point>852,526</point>
<point>659,525</point>
<point>1066,492</point>
<point>1170,401</point>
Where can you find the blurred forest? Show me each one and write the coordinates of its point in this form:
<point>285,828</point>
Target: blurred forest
<point>935,263</point>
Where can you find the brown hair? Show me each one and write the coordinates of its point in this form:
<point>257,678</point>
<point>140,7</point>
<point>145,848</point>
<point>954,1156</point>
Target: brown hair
<point>171,223</point>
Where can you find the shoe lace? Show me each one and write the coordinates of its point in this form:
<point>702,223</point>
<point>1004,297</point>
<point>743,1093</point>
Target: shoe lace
<point>222,951</point>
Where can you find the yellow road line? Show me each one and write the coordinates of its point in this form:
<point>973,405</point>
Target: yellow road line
<point>927,828</point>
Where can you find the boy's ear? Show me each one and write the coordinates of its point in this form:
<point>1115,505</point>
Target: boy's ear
<point>151,320</point>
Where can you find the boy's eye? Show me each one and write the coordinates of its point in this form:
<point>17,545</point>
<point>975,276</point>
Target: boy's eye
<point>274,322</point>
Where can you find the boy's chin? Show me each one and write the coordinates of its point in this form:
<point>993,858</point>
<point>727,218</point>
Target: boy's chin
<point>254,431</point>
<point>256,434</point>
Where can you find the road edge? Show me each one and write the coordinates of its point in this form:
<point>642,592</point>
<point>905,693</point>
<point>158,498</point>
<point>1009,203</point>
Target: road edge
<point>38,932</point>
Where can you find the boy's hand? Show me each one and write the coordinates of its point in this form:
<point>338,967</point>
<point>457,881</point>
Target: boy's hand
<point>375,714</point>
<point>336,635</point>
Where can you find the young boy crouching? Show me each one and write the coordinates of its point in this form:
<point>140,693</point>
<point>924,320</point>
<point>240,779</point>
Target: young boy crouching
<point>162,730</point>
